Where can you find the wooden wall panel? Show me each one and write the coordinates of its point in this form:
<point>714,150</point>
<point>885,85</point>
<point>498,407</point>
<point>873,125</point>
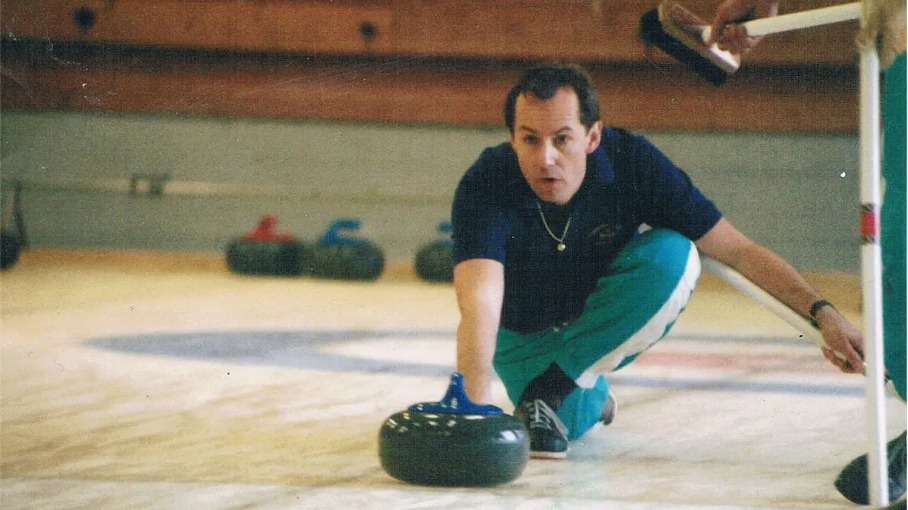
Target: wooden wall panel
<point>445,61</point>
<point>559,29</point>
<point>267,26</point>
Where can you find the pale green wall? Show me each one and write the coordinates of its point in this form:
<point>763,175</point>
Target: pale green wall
<point>796,193</point>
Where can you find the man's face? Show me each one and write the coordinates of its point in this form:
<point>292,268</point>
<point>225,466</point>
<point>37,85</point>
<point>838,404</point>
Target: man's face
<point>552,145</point>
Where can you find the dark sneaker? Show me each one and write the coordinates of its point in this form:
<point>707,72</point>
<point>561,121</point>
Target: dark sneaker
<point>548,436</point>
<point>609,410</point>
<point>852,481</point>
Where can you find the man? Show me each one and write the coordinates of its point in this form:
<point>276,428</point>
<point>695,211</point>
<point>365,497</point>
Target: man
<point>556,285</point>
<point>886,29</point>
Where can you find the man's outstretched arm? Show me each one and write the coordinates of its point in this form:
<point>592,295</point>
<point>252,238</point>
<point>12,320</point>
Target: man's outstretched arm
<point>770,272</point>
<point>479,284</point>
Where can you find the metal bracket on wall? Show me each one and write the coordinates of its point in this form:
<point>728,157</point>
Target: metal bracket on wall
<point>151,185</point>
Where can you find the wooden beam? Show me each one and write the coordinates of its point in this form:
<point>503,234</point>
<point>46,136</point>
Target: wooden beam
<point>93,78</point>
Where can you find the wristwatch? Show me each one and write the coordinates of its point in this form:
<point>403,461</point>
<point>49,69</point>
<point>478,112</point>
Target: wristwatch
<point>815,308</point>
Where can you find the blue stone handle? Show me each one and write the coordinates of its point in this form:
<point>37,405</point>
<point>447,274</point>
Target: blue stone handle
<point>444,230</point>
<point>339,233</point>
<point>456,401</point>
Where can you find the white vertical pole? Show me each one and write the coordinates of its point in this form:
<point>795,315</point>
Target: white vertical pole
<point>871,274</point>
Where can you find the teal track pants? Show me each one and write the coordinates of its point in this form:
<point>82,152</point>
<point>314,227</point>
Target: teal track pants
<point>633,306</point>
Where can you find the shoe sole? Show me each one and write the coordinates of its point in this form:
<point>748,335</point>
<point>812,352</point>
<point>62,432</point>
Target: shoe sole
<point>548,455</point>
<point>612,412</point>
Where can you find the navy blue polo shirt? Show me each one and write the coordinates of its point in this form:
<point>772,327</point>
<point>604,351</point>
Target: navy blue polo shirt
<point>628,183</point>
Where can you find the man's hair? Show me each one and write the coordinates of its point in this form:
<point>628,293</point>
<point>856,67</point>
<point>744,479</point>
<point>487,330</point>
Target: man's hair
<point>544,80</point>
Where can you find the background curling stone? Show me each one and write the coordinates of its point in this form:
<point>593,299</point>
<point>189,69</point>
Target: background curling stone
<point>10,247</point>
<point>453,443</point>
<point>434,262</point>
<point>12,237</point>
<point>341,254</point>
<point>264,251</point>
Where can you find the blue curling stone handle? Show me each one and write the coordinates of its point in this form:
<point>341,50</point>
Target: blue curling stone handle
<point>444,230</point>
<point>342,233</point>
<point>456,401</point>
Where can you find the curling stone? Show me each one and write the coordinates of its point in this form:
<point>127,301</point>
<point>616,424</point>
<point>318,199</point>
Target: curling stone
<point>12,229</point>
<point>10,247</point>
<point>264,251</point>
<point>434,261</point>
<point>340,254</point>
<point>453,443</point>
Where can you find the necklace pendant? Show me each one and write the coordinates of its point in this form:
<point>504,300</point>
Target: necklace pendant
<point>560,240</point>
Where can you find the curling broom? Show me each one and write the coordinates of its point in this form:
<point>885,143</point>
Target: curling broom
<point>683,35</point>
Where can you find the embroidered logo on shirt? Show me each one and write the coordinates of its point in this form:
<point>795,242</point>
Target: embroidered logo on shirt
<point>603,235</point>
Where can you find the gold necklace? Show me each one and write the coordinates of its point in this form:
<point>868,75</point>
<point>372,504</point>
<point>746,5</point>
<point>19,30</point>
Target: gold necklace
<point>561,245</point>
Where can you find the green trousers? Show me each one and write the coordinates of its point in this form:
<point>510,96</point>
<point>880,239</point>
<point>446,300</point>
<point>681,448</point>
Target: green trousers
<point>892,223</point>
<point>632,307</point>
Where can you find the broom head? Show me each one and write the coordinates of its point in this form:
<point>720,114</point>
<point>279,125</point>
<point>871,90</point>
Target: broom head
<point>679,33</point>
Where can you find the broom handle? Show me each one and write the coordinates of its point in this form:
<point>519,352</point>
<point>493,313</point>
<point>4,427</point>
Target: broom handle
<point>798,20</point>
<point>767,300</point>
<point>751,290</point>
